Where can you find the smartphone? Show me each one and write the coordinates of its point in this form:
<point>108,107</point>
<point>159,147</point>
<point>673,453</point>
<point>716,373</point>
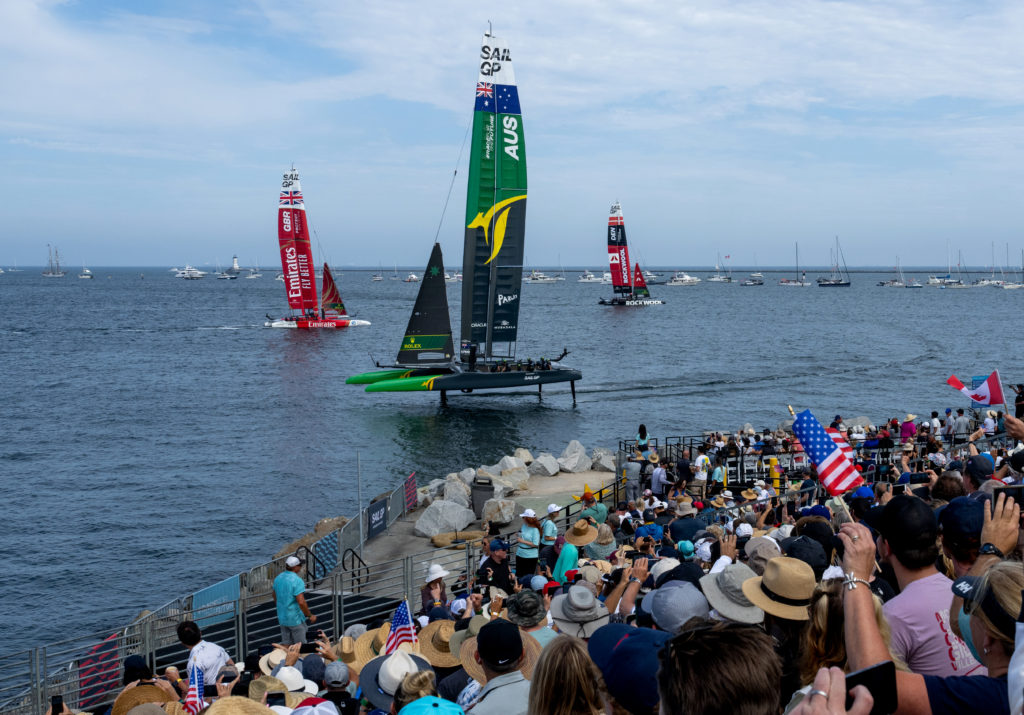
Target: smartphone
<point>543,563</point>
<point>1016,491</point>
<point>899,489</point>
<point>277,699</point>
<point>226,675</point>
<point>880,679</point>
<point>56,704</point>
<point>309,647</point>
<point>791,508</point>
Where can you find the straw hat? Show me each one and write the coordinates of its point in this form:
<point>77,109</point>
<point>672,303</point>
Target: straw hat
<point>581,533</point>
<point>268,684</point>
<point>346,652</point>
<point>531,652</point>
<point>684,499</point>
<point>237,705</point>
<point>271,660</point>
<point>435,644</point>
<point>748,494</point>
<point>992,413</point>
<point>458,637</point>
<point>139,695</point>
<point>785,590</point>
<point>910,417</point>
<point>718,502</point>
<point>371,644</point>
<point>653,458</point>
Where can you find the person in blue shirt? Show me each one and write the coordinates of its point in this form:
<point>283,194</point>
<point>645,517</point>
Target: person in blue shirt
<point>292,610</point>
<point>649,528</point>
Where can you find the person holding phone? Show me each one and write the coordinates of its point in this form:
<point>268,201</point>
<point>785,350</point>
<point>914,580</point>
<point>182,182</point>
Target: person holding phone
<point>992,599</point>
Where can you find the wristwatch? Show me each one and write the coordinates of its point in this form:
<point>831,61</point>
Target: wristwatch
<point>990,549</point>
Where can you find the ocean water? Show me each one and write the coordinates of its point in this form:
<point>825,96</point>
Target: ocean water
<point>155,437</point>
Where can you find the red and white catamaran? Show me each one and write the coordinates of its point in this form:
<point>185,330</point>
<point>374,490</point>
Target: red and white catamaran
<point>308,311</point>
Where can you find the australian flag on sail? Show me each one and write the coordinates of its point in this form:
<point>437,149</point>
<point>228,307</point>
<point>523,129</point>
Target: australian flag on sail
<point>500,98</point>
<point>835,470</point>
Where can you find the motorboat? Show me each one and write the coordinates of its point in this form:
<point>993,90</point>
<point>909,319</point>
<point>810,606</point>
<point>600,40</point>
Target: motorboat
<point>86,274</point>
<point>411,278</point>
<point>682,278</point>
<point>589,277</point>
<point>190,273</point>
<point>540,277</point>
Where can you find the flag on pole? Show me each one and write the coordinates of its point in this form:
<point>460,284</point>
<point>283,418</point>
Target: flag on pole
<point>837,437</point>
<point>835,470</point>
<point>402,629</point>
<point>194,697</point>
<point>989,392</point>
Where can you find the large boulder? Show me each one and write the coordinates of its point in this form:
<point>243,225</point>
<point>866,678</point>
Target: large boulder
<point>455,490</point>
<point>436,488</point>
<point>467,475</point>
<point>485,471</point>
<point>523,454</point>
<point>574,459</point>
<point>518,477</point>
<point>499,511</point>
<point>545,465</point>
<point>442,516</point>
<point>603,462</point>
<point>506,463</point>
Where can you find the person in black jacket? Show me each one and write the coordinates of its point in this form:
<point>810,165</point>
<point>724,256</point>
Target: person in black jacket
<point>495,571</point>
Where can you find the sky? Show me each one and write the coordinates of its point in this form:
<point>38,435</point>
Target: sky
<point>155,133</point>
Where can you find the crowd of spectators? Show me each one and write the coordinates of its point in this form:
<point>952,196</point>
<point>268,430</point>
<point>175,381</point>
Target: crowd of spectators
<point>755,600</point>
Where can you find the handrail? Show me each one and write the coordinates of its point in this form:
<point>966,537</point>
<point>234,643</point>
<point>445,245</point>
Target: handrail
<point>320,569</point>
<point>359,573</point>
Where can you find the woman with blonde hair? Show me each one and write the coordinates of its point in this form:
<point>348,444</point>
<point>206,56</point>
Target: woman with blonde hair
<point>414,686</point>
<point>565,681</point>
<point>603,546</point>
<point>824,646</point>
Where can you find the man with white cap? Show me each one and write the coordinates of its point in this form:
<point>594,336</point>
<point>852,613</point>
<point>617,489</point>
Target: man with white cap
<point>292,610</point>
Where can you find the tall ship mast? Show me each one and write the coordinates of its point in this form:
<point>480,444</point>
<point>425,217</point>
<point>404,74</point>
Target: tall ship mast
<point>53,269</point>
<point>492,263</point>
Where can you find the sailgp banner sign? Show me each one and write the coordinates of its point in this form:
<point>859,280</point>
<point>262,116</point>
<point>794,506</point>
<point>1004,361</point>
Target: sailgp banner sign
<point>376,518</point>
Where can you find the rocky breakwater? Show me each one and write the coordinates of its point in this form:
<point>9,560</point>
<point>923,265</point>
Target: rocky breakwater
<point>449,502</point>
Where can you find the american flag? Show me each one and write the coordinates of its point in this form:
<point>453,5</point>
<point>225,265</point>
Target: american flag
<point>837,437</point>
<point>834,468</point>
<point>194,697</point>
<point>402,630</point>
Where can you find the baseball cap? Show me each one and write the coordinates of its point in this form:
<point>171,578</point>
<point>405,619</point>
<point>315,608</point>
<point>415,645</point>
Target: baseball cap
<point>537,583</point>
<point>336,675</point>
<point>864,492</point>
<point>980,466</point>
<point>292,562</point>
<point>498,545</point>
<point>966,587</point>
<point>621,506</point>
<point>529,513</point>
<point>685,549</point>
<point>961,520</point>
<point>627,657</point>
<point>649,515</point>
<point>810,552</point>
<point>820,510</point>
<point>499,642</point>
<point>552,508</point>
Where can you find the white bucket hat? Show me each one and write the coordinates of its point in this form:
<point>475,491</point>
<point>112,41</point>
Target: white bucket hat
<point>435,572</point>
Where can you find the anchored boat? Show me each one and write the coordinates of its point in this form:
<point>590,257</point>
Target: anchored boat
<point>630,290</point>
<point>492,265</point>
<point>299,276</point>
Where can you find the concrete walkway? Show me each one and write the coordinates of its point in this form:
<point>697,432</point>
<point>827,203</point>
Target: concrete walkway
<point>561,489</point>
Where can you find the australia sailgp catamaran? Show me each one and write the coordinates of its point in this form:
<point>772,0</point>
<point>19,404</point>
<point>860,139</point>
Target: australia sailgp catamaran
<point>297,263</point>
<point>492,265</point>
<point>630,290</point>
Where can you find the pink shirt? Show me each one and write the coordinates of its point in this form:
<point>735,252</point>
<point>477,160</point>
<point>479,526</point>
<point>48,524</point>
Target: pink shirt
<point>921,637</point>
<point>907,431</point>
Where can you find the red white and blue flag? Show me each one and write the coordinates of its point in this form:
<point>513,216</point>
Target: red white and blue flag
<point>402,629</point>
<point>837,437</point>
<point>194,697</point>
<point>989,392</point>
<point>484,89</point>
<point>835,470</point>
<point>291,198</point>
